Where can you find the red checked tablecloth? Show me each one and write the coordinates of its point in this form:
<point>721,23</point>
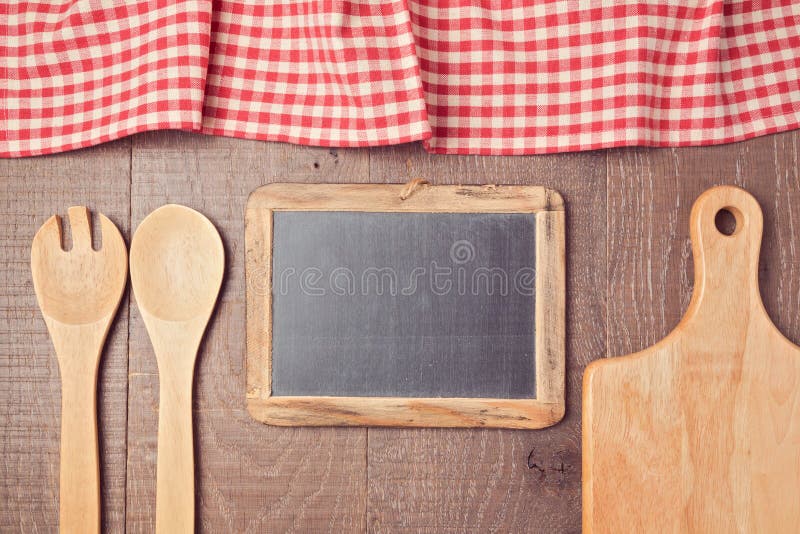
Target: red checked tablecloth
<point>463,76</point>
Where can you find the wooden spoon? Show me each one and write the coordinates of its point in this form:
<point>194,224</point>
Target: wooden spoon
<point>78,292</point>
<point>177,262</point>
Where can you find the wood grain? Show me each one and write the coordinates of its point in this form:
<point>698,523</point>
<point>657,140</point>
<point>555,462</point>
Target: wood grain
<point>250,477</point>
<point>405,412</point>
<point>450,480</point>
<point>550,307</point>
<point>545,410</point>
<point>699,432</point>
<point>31,190</point>
<point>393,198</point>
<point>650,271</point>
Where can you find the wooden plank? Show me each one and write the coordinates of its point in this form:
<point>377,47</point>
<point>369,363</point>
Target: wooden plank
<point>511,480</point>
<point>445,480</point>
<point>405,412</point>
<point>391,198</point>
<point>258,280</point>
<point>31,190</point>
<point>250,477</point>
<point>550,307</point>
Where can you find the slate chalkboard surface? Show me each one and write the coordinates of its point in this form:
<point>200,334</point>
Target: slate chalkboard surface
<point>403,304</point>
<point>367,306</point>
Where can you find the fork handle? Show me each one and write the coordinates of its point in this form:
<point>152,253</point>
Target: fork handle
<point>80,467</point>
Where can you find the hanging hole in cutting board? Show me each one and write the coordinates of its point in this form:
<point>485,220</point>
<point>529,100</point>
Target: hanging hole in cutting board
<point>727,221</point>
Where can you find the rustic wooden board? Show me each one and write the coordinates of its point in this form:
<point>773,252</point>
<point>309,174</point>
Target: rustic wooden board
<point>379,409</point>
<point>253,478</point>
<point>31,190</point>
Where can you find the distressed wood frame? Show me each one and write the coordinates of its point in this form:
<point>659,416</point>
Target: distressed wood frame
<point>545,410</point>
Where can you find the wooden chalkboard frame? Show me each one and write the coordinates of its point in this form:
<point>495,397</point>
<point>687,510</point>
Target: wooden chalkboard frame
<point>545,410</point>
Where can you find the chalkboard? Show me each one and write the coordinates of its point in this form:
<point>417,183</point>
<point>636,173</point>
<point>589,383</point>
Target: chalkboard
<point>366,308</point>
<point>403,304</point>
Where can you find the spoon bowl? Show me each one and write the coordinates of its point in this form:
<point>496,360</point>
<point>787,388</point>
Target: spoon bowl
<point>177,261</point>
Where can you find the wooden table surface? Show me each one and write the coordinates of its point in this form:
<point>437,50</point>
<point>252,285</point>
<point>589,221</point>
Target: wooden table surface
<point>629,280</point>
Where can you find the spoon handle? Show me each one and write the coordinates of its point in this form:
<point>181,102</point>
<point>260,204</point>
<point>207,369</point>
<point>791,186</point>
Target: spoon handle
<point>79,509</point>
<point>175,467</point>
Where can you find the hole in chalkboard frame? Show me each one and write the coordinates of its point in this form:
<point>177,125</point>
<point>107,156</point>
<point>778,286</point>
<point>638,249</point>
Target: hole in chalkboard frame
<point>728,221</point>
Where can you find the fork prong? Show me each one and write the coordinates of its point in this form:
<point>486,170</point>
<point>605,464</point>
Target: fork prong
<point>49,234</point>
<point>112,238</point>
<point>81,230</point>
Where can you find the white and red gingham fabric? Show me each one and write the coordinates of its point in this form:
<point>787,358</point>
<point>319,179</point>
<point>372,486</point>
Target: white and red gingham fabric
<point>551,76</point>
<point>77,73</point>
<point>318,72</point>
<point>463,76</point>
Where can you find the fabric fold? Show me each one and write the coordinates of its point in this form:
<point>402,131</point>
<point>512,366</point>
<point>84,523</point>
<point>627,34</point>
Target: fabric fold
<point>517,77</point>
<point>327,73</point>
<point>79,73</point>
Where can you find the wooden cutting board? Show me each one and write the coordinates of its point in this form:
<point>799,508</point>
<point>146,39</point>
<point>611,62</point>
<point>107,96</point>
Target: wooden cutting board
<point>701,432</point>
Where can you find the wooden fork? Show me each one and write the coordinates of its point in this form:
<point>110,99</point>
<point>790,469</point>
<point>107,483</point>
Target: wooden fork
<point>78,292</point>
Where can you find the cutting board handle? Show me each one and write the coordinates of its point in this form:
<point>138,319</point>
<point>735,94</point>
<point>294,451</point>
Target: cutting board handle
<point>725,266</point>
